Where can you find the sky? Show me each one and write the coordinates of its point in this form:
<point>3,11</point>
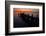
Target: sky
<point>25,11</point>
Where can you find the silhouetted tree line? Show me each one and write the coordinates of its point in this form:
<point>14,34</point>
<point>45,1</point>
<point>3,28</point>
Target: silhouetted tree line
<point>30,20</point>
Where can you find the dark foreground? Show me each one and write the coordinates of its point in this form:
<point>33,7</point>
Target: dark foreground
<point>26,21</point>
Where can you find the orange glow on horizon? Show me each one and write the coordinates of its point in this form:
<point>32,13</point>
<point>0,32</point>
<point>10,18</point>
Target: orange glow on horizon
<point>22,11</point>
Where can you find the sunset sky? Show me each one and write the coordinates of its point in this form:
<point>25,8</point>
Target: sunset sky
<point>16,11</point>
